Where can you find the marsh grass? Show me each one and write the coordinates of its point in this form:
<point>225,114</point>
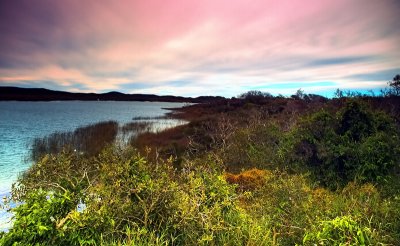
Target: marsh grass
<point>88,140</point>
<point>91,139</point>
<point>137,127</point>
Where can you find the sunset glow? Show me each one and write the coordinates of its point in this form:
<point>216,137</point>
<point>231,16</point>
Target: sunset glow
<point>207,47</point>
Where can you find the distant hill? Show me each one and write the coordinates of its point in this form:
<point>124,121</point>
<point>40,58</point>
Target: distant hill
<point>9,93</point>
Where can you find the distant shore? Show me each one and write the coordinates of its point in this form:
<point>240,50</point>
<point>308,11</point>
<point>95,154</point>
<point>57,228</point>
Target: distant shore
<point>8,93</point>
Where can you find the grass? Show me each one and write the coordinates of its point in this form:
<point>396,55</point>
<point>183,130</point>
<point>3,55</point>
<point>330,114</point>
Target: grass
<point>88,140</point>
<point>137,127</point>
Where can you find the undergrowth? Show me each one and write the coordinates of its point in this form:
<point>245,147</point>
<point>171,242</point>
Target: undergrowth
<point>328,176</point>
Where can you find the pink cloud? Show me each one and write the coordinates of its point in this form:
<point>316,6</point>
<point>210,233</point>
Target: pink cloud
<point>212,45</point>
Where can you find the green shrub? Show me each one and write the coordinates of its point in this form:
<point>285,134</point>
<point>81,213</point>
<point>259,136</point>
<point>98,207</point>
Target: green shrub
<point>340,231</point>
<point>253,147</point>
<point>129,200</point>
<point>130,192</point>
<point>289,206</point>
<point>66,171</point>
<point>206,208</point>
<point>356,144</point>
<point>41,220</point>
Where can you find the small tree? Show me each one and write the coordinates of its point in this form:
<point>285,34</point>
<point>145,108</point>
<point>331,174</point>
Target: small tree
<point>299,94</point>
<point>395,85</point>
<point>254,93</point>
<point>338,93</point>
<point>256,97</point>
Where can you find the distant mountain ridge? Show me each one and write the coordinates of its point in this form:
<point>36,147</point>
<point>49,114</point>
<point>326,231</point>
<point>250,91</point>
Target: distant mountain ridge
<point>10,93</point>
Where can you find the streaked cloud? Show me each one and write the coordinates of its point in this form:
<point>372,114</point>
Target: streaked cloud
<point>190,48</point>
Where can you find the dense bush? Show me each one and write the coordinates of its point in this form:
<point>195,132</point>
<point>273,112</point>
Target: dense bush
<point>46,218</point>
<point>355,144</point>
<point>66,171</point>
<point>254,146</point>
<point>125,197</point>
<point>130,192</point>
<point>130,201</point>
<point>292,210</point>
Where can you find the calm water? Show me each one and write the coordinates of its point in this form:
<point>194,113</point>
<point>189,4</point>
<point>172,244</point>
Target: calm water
<point>21,122</point>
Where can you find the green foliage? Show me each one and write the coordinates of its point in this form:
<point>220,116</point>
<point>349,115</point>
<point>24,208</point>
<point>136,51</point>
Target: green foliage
<point>356,143</point>
<point>130,192</point>
<point>207,202</point>
<point>133,202</point>
<point>255,146</point>
<point>127,198</point>
<point>339,231</point>
<point>289,207</point>
<point>137,236</point>
<point>281,205</point>
<point>66,171</point>
<point>40,220</point>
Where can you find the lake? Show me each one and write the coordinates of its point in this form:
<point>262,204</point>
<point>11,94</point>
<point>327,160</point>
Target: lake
<point>21,122</point>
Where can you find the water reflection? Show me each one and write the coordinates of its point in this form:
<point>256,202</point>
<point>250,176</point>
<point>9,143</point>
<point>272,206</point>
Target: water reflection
<point>131,130</point>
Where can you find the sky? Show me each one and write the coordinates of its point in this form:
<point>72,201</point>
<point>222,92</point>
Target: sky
<point>199,47</point>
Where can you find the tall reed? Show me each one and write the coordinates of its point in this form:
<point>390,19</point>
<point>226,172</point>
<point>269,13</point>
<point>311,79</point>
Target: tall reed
<point>88,140</point>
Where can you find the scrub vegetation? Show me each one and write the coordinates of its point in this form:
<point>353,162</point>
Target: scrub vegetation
<point>252,170</point>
